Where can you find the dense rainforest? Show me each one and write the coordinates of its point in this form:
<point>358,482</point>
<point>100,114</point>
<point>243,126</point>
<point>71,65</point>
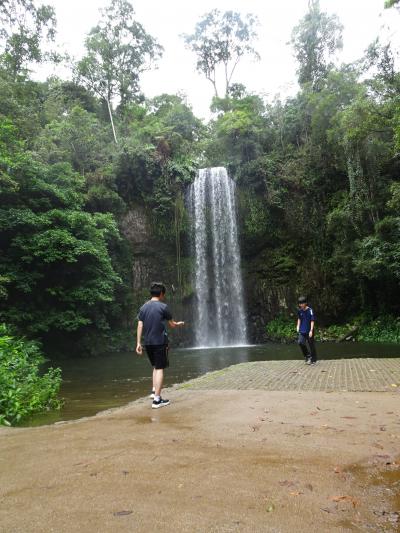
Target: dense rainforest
<point>93,177</point>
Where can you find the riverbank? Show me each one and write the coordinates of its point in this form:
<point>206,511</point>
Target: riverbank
<point>214,460</point>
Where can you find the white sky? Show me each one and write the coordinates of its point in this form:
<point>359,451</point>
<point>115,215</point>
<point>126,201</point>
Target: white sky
<point>166,20</point>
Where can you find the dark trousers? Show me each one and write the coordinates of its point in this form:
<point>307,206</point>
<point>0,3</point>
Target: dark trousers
<point>307,346</point>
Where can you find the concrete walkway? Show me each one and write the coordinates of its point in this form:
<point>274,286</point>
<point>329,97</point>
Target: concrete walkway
<point>340,375</point>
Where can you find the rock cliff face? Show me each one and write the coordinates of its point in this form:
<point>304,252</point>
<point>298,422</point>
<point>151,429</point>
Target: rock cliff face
<point>136,229</point>
<point>154,259</point>
<point>264,301</point>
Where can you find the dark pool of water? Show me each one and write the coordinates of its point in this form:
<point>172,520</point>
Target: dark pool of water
<point>111,380</point>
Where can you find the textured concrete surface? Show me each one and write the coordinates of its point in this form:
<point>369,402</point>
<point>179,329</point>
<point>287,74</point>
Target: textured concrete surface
<point>378,375</point>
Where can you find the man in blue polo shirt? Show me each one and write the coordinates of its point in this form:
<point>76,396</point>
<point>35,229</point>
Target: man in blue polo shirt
<point>305,329</point>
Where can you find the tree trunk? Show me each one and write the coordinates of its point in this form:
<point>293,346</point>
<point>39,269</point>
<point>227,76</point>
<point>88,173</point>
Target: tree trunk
<point>111,120</point>
<point>349,335</point>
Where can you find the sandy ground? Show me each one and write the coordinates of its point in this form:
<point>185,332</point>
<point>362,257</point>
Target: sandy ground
<point>212,461</point>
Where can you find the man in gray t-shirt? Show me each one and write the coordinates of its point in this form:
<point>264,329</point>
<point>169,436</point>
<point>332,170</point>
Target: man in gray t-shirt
<point>152,319</point>
<point>154,315</point>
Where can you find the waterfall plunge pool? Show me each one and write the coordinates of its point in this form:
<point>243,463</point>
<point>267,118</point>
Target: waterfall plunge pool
<point>111,380</point>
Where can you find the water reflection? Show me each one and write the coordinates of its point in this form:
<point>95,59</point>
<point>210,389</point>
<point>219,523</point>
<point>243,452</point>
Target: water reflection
<point>92,385</point>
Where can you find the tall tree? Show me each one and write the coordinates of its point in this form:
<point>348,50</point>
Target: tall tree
<point>22,28</point>
<point>221,40</point>
<point>315,39</point>
<point>118,51</point>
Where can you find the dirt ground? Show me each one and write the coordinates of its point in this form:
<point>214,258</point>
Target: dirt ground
<point>212,461</point>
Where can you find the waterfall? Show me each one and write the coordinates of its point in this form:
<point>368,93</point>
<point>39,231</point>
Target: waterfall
<point>219,309</point>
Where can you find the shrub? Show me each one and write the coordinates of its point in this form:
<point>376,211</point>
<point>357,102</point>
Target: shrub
<point>23,390</point>
<point>383,329</point>
<point>281,328</point>
<point>333,332</point>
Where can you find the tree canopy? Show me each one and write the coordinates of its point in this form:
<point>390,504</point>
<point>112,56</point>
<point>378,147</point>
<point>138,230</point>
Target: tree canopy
<point>315,39</point>
<point>23,25</point>
<point>118,51</point>
<point>222,39</point>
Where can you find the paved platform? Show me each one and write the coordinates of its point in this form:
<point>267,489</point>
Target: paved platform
<point>367,374</point>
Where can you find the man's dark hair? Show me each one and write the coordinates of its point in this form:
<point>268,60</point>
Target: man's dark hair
<point>157,288</point>
<point>302,300</point>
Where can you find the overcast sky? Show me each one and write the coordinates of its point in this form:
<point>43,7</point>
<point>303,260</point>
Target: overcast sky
<point>363,20</point>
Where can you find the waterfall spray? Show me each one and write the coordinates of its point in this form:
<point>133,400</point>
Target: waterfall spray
<point>219,308</point>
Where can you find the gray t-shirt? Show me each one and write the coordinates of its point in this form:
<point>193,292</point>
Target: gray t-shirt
<point>153,314</point>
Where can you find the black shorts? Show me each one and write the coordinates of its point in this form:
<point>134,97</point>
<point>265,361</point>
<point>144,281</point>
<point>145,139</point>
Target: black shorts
<point>158,355</point>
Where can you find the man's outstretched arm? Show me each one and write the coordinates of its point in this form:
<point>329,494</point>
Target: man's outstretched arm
<point>174,324</point>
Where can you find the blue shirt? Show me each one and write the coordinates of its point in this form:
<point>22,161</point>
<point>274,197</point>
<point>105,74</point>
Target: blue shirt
<point>305,316</point>
<point>153,314</point>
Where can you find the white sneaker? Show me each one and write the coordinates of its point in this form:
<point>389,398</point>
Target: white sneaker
<point>159,403</point>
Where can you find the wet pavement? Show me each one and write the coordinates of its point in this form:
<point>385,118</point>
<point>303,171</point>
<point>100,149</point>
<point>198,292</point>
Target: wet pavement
<point>358,375</point>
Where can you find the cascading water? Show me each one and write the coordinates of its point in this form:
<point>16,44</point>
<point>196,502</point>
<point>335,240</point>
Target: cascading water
<point>219,309</point>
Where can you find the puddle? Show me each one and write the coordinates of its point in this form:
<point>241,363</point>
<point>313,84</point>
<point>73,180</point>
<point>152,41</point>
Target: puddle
<point>389,480</point>
<point>383,480</point>
<point>145,419</point>
<point>172,422</point>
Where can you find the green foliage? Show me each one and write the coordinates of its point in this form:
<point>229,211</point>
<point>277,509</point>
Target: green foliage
<point>281,328</point>
<point>315,39</point>
<point>22,103</point>
<point>55,255</point>
<point>65,271</point>
<point>384,329</point>
<point>156,158</point>
<point>78,137</point>
<point>319,188</point>
<point>391,3</point>
<point>62,96</point>
<point>239,131</point>
<point>378,255</point>
<point>333,332</point>
<point>23,25</point>
<point>23,389</point>
<point>255,215</point>
<point>118,51</point>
